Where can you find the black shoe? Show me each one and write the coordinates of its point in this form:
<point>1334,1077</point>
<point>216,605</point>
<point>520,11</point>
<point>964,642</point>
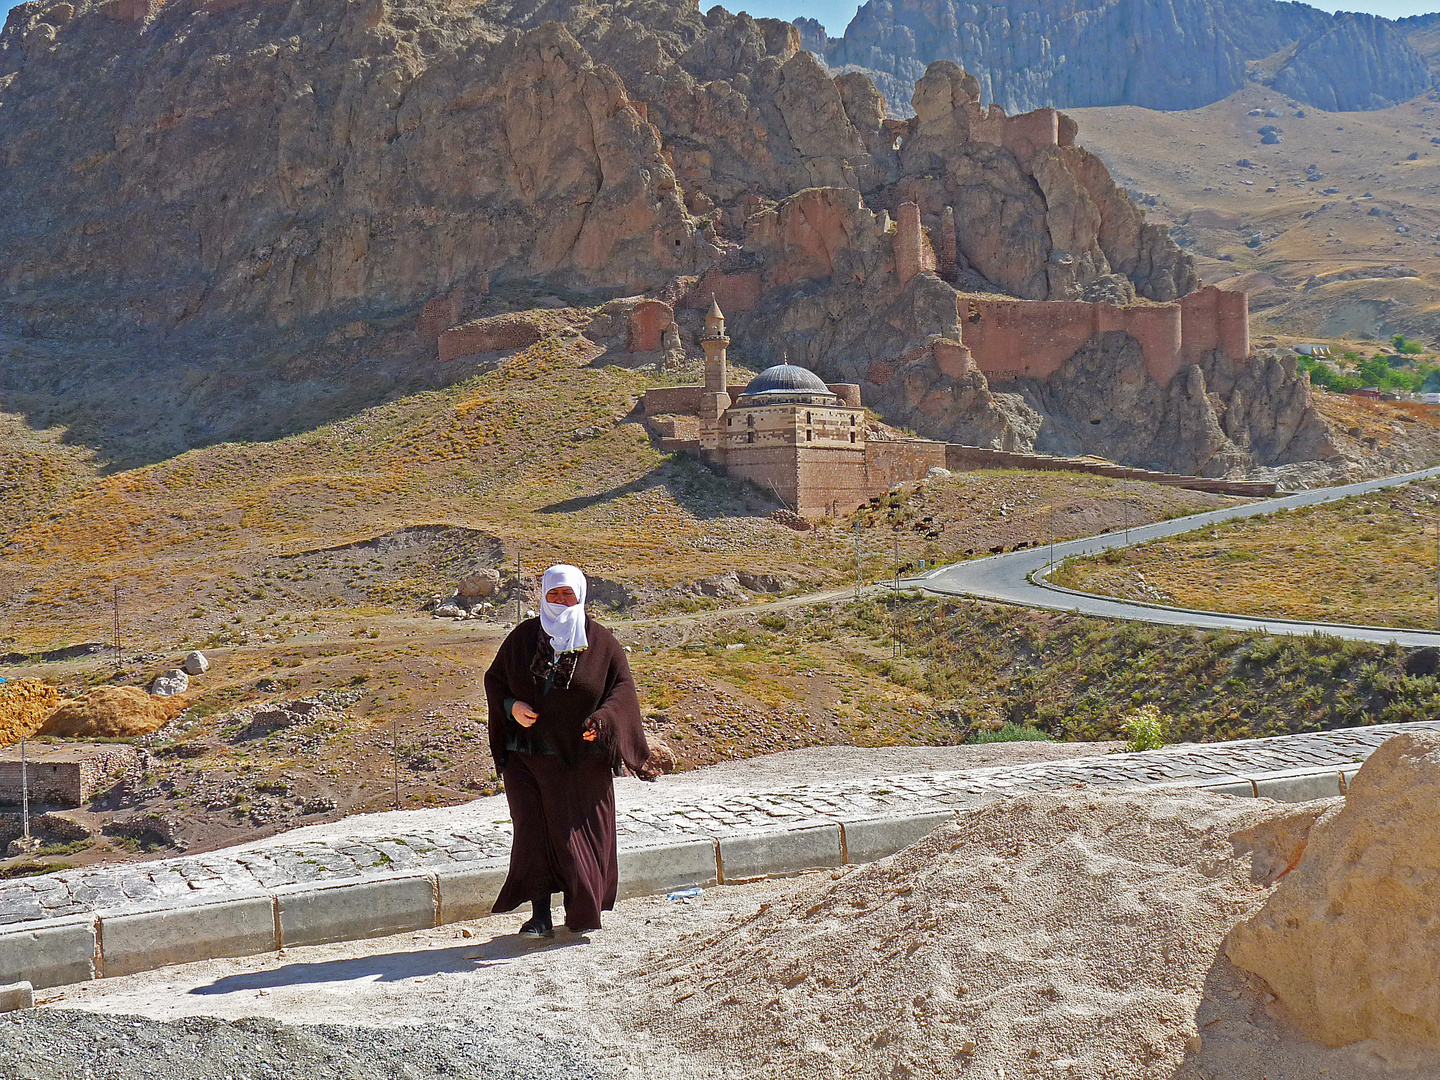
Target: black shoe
<point>537,927</point>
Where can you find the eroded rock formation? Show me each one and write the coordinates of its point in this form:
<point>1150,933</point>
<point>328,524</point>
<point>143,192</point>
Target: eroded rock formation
<point>1350,938</point>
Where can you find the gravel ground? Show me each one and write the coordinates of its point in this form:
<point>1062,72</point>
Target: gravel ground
<point>69,1045</point>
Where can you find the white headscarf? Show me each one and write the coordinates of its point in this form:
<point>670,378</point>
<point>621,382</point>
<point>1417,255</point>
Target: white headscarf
<point>565,625</point>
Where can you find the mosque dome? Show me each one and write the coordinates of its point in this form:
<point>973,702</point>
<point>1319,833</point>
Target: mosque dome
<point>786,381</point>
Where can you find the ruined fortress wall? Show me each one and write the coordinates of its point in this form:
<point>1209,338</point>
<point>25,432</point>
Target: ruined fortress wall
<point>648,320</point>
<point>673,399</point>
<point>1019,339</point>
<point>495,334</point>
<point>732,291</point>
<point>959,458</point>
<point>1213,318</point>
<point>847,392</point>
<point>913,252</point>
<point>1157,328</point>
<point>890,463</point>
<point>1022,135</point>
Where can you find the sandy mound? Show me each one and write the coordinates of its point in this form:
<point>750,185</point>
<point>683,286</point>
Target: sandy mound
<point>1350,940</point>
<point>1056,935</point>
<point>24,707</point>
<point>113,712</point>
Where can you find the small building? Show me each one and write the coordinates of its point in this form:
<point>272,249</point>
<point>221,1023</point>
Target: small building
<point>64,775</point>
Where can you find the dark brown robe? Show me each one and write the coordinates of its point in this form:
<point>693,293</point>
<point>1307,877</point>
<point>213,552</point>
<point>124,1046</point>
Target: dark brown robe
<point>562,804</point>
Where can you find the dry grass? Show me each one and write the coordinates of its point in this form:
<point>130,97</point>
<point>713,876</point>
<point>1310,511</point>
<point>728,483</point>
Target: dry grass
<point>1369,559</point>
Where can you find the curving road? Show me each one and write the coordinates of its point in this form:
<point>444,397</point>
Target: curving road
<point>1017,577</point>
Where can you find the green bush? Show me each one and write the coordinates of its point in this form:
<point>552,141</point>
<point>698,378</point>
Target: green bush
<point>1409,348</point>
<point>1010,733</point>
<point>1146,729</point>
<point>774,621</point>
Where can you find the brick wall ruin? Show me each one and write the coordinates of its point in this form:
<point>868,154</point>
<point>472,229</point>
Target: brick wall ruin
<point>648,322</point>
<point>895,461</point>
<point>1213,318</point>
<point>66,778</point>
<point>494,334</point>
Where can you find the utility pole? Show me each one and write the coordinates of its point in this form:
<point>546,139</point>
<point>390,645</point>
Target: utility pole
<point>519,587</point>
<point>117,624</point>
<point>895,603</point>
<point>1052,536</point>
<point>858,582</point>
<point>24,791</point>
<point>395,754</point>
<point>1126,504</point>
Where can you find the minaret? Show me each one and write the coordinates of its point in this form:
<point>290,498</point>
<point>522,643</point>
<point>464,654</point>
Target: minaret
<point>715,343</point>
<point>716,397</point>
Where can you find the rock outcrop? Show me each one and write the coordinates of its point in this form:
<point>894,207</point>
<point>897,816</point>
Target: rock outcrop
<point>1161,56</point>
<point>1349,940</point>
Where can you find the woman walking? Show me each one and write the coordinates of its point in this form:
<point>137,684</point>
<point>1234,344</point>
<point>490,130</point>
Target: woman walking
<point>564,718</point>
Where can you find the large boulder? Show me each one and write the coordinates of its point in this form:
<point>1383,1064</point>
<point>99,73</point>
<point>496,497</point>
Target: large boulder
<point>483,582</point>
<point>1350,939</point>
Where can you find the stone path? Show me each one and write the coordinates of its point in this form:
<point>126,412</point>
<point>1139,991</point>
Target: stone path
<point>649,814</point>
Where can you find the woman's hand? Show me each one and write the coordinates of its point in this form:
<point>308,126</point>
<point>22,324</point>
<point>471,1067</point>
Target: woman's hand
<point>524,714</point>
<point>591,731</point>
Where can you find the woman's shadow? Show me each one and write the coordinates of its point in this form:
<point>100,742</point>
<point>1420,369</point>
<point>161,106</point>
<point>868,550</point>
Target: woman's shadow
<point>395,966</point>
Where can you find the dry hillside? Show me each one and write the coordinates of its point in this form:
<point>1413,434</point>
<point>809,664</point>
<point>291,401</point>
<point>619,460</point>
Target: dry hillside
<point>1346,207</point>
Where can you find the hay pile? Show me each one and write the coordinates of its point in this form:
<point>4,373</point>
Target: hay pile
<point>25,705</point>
<point>113,712</point>
<point>1050,935</point>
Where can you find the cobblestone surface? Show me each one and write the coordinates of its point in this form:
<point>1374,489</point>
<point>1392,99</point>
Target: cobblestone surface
<point>477,832</point>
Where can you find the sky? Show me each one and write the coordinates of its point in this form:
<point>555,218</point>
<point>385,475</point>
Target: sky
<point>835,14</point>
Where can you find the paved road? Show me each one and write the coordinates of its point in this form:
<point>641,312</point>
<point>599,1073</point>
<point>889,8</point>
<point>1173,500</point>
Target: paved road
<point>683,807</point>
<point>1008,577</point>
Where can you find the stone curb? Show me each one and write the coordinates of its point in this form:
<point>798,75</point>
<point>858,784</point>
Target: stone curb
<point>113,942</point>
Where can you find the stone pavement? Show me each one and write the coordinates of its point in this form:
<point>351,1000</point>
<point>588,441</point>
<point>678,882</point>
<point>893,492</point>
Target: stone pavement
<point>479,833</point>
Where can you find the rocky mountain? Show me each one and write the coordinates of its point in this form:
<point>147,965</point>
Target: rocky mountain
<point>1178,54</point>
<point>323,186</point>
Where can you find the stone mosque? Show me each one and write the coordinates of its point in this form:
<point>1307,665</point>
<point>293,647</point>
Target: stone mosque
<point>790,433</point>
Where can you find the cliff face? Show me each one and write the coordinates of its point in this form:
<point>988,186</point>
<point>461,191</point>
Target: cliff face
<point>330,161</point>
<point>281,163</point>
<point>1356,62</point>
<point>1178,54</point>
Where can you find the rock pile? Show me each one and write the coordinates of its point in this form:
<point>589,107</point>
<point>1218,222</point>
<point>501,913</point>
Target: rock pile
<point>1350,939</point>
